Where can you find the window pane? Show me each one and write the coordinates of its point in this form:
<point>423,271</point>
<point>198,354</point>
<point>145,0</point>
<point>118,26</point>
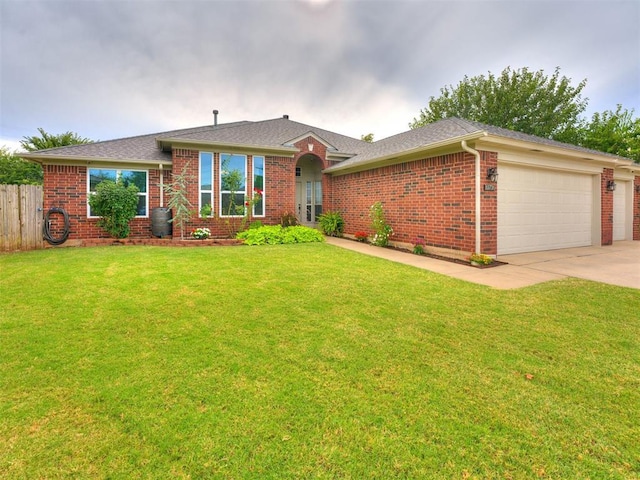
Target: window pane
<point>206,170</point>
<point>233,175</point>
<point>258,184</point>
<point>142,205</point>
<point>235,209</point>
<point>205,199</point>
<point>139,179</point>
<point>98,175</point>
<point>318,193</point>
<point>258,173</point>
<point>258,208</point>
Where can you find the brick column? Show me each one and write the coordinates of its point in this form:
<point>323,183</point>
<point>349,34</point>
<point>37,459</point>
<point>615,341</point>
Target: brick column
<point>606,209</point>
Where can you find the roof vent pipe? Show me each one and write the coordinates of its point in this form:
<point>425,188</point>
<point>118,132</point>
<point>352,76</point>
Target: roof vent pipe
<point>286,117</point>
<point>215,118</point>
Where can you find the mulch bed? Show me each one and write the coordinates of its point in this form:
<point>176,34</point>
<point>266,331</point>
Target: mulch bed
<point>459,261</point>
<point>158,242</point>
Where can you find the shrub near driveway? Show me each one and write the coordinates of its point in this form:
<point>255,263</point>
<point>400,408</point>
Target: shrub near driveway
<point>297,361</point>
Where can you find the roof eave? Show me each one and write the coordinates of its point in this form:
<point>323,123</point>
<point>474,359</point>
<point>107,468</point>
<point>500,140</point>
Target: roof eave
<point>567,152</point>
<point>227,147</point>
<point>84,160</point>
<point>442,147</point>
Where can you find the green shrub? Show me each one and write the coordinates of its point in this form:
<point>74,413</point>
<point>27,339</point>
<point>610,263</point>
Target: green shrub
<point>116,205</point>
<point>379,225</point>
<point>331,223</point>
<point>276,234</point>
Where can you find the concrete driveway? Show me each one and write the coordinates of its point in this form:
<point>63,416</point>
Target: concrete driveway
<point>617,264</point>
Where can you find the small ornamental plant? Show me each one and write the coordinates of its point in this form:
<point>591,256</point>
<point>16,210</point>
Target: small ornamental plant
<point>418,246</point>
<point>201,233</point>
<point>361,236</point>
<point>379,225</point>
<point>480,259</point>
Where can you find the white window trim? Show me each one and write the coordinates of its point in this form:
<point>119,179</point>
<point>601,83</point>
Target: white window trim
<point>264,185</point>
<point>118,173</point>
<point>220,191</point>
<point>200,191</point>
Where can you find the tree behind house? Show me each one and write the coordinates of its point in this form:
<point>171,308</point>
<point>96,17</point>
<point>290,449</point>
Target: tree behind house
<point>519,100</point>
<point>16,171</point>
<point>47,140</point>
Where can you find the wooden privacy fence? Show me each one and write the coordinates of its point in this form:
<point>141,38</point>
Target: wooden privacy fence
<point>21,217</point>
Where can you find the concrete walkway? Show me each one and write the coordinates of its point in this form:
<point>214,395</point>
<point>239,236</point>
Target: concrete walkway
<point>618,264</point>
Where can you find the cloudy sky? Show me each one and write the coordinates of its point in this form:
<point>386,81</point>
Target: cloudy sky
<point>113,68</point>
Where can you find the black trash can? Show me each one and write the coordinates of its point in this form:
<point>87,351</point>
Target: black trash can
<point>160,224</point>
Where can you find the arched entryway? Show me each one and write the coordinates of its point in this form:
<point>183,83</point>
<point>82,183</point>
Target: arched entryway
<point>308,189</point>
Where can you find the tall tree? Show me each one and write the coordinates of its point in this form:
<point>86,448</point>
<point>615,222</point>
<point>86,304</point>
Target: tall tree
<point>14,170</point>
<point>613,132</point>
<point>520,100</point>
<point>48,140</point>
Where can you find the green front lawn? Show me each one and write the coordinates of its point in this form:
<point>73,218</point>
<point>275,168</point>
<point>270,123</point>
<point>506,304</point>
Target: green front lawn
<point>307,361</point>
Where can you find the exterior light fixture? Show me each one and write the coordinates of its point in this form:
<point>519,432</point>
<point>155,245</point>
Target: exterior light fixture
<point>611,185</point>
<point>638,189</point>
<point>492,174</point>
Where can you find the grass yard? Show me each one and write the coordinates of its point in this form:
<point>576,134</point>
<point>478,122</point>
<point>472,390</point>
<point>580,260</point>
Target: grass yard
<point>307,361</point>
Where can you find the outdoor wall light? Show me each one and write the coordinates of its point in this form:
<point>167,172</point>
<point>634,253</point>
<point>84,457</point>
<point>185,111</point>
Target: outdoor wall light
<point>492,174</point>
<point>638,189</point>
<point>611,185</point>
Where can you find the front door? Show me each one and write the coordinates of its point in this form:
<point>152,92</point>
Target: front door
<point>308,201</point>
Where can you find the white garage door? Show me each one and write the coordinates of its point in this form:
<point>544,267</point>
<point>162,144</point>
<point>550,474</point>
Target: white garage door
<point>543,209</point>
<point>620,211</point>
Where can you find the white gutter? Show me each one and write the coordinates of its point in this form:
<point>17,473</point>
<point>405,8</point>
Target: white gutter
<point>464,146</point>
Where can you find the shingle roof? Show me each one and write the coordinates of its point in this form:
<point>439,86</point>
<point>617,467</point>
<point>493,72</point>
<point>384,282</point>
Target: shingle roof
<point>270,133</point>
<point>431,134</point>
<point>447,130</point>
<point>140,148</point>
<point>280,132</point>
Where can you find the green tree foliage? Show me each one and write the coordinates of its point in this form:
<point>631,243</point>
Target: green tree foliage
<point>613,132</point>
<point>116,205</point>
<point>47,140</point>
<point>16,171</point>
<point>367,138</point>
<point>520,100</point>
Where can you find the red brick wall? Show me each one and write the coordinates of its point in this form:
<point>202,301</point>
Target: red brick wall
<point>606,211</point>
<point>636,208</point>
<point>432,199</point>
<point>279,191</point>
<point>66,186</point>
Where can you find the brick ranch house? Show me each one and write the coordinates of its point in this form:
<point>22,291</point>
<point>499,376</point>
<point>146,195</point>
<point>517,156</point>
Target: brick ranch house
<point>456,184</point>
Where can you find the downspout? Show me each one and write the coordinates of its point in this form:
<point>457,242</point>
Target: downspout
<point>476,153</point>
<point>161,186</point>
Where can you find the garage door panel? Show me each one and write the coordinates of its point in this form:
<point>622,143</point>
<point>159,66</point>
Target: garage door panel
<point>543,209</point>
